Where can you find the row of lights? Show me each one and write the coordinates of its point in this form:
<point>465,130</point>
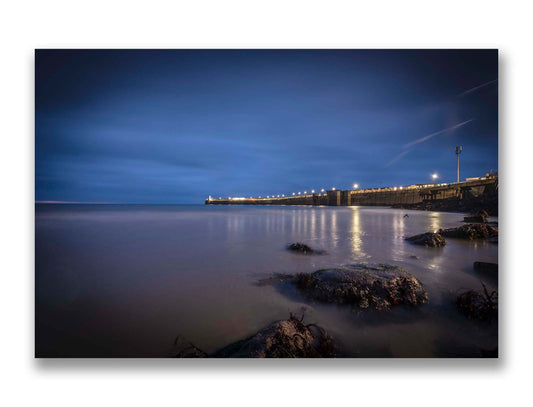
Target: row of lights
<point>355,186</point>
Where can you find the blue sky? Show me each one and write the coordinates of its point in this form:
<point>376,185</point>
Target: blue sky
<point>174,126</point>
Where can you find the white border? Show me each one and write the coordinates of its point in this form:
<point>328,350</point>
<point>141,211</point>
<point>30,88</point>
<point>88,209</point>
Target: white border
<point>334,24</point>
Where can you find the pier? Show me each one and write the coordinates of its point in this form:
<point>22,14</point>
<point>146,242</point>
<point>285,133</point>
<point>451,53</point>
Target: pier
<point>388,196</point>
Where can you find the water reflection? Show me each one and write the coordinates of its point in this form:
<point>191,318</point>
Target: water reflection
<point>334,231</point>
<point>435,222</point>
<point>357,233</point>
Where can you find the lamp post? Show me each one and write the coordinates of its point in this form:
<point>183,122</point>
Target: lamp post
<point>458,150</point>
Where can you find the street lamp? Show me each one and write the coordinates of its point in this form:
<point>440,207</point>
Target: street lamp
<point>434,176</point>
<point>458,150</point>
<point>355,186</point>
<point>322,190</point>
<point>312,191</point>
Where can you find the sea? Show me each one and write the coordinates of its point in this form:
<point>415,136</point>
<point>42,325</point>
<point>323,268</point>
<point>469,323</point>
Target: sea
<point>128,280</point>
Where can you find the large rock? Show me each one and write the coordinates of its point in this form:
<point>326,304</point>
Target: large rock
<point>379,286</point>
<point>481,306</point>
<point>471,231</point>
<point>289,338</point>
<point>303,249</point>
<point>428,239</point>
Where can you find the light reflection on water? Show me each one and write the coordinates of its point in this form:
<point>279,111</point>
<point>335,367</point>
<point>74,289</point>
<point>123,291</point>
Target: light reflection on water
<point>125,280</point>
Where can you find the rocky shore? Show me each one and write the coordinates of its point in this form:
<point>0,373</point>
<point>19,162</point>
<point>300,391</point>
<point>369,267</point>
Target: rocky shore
<point>487,202</point>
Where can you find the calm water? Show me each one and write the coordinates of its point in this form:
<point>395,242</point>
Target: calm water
<point>117,280</point>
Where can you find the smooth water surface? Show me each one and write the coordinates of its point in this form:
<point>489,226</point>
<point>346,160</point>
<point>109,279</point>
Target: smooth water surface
<point>125,280</point>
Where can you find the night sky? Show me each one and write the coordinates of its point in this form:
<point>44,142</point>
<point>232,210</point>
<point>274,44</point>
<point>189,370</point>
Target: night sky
<point>175,126</point>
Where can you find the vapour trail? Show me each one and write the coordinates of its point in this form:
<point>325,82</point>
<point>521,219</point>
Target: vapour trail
<point>397,158</point>
<point>466,92</point>
<point>425,138</point>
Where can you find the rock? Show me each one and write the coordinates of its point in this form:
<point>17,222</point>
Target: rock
<point>471,231</point>
<point>480,216</point>
<point>289,338</point>
<point>379,286</point>
<point>480,306</point>
<point>303,248</point>
<point>428,239</point>
<point>413,257</point>
<point>483,267</point>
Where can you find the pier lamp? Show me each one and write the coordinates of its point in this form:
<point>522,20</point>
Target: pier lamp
<point>299,193</point>
<point>333,189</point>
<point>305,192</point>
<point>293,194</point>
<point>355,186</point>
<point>434,176</point>
<point>322,190</point>
<point>312,191</point>
<point>283,196</point>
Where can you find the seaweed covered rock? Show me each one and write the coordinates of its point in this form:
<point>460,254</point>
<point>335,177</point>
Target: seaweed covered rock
<point>303,249</point>
<point>428,239</point>
<point>379,286</point>
<point>289,338</point>
<point>471,231</point>
<point>480,306</point>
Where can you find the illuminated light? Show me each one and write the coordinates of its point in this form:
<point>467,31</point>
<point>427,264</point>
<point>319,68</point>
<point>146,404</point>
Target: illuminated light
<point>322,190</point>
<point>268,196</point>
<point>219,197</point>
<point>395,188</point>
<point>305,192</point>
<point>401,188</point>
<point>299,193</point>
<point>259,196</point>
<point>278,196</point>
<point>293,194</point>
<point>355,186</point>
<point>434,176</point>
<point>283,196</point>
<point>333,189</point>
<point>312,191</point>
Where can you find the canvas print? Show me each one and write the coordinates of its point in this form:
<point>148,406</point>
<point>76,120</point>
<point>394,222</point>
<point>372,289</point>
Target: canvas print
<point>266,203</point>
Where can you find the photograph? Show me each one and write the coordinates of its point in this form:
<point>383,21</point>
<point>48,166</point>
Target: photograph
<point>266,203</point>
